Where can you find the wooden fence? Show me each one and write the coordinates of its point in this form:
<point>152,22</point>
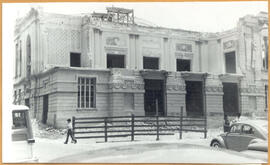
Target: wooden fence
<point>132,126</point>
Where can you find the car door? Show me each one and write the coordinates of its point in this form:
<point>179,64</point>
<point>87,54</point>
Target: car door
<point>247,134</point>
<point>232,141</point>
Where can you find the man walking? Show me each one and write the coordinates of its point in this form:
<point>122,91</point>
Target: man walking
<point>70,132</point>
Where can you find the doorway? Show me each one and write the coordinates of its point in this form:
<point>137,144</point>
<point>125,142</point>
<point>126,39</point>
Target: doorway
<point>194,98</point>
<point>45,109</point>
<point>230,99</point>
<point>154,90</point>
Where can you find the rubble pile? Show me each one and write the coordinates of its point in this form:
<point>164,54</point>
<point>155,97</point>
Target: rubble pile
<point>44,131</point>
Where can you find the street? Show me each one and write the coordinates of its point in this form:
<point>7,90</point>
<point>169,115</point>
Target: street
<point>167,150</point>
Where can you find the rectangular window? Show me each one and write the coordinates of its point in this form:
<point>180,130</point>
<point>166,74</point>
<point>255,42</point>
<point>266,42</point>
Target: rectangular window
<point>182,65</point>
<point>75,59</point>
<point>230,63</point>
<point>265,53</point>
<point>86,93</point>
<point>27,102</point>
<point>19,119</point>
<point>151,63</point>
<point>115,61</point>
<point>19,97</point>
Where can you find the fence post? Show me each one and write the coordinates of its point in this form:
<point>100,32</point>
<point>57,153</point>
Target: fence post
<point>132,127</point>
<point>73,125</point>
<point>156,107</point>
<point>181,122</point>
<point>157,128</point>
<point>157,119</point>
<point>105,129</point>
<point>205,126</point>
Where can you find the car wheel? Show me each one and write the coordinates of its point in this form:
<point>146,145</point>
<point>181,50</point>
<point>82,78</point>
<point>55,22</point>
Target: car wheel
<point>216,144</point>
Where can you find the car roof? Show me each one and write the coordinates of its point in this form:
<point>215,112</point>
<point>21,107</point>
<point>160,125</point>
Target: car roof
<point>19,107</point>
<point>252,122</point>
<point>259,124</point>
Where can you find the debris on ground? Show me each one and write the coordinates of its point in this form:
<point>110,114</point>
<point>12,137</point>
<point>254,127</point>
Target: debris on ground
<point>44,131</point>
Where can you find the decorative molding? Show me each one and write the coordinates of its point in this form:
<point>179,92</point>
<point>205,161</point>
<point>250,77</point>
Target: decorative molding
<point>175,87</point>
<point>153,43</point>
<point>214,89</point>
<point>182,55</point>
<point>252,90</point>
<point>183,47</point>
<point>194,76</point>
<point>116,50</point>
<point>230,77</point>
<point>126,84</point>
<point>45,82</point>
<point>229,44</point>
<point>151,52</point>
<point>116,41</point>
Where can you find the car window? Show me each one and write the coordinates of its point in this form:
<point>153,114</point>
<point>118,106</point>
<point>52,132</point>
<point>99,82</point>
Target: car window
<point>248,130</point>
<point>19,120</point>
<point>236,128</point>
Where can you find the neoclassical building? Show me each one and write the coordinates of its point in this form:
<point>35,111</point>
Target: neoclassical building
<point>108,64</point>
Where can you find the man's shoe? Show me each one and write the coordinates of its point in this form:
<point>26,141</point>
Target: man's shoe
<point>75,141</point>
<point>65,142</point>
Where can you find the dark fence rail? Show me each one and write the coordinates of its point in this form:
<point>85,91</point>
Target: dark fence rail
<point>132,126</point>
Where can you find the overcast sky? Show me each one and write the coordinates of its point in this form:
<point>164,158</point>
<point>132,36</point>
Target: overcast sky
<point>197,16</point>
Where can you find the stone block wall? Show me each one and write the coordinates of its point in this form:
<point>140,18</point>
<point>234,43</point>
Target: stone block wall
<point>117,104</point>
<point>174,103</point>
<point>139,104</point>
<point>214,104</point>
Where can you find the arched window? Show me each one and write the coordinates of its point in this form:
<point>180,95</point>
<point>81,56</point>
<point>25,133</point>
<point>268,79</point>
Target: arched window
<point>28,56</point>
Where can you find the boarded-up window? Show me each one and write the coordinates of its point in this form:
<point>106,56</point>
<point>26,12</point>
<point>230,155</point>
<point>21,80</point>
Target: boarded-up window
<point>182,65</point>
<point>150,63</point>
<point>86,92</point>
<point>75,59</point>
<point>115,61</point>
<point>230,62</point>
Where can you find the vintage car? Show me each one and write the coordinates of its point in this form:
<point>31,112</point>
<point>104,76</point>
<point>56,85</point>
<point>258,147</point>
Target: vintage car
<point>21,141</point>
<point>241,135</point>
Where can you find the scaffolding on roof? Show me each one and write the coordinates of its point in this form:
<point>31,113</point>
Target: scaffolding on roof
<point>121,15</point>
<point>116,14</point>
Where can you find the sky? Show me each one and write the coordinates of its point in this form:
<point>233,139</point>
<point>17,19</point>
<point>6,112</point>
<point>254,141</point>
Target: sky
<point>196,16</point>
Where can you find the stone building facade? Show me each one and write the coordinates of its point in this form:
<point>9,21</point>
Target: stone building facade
<point>100,65</point>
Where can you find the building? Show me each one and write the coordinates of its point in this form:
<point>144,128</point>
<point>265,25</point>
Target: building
<point>107,64</point>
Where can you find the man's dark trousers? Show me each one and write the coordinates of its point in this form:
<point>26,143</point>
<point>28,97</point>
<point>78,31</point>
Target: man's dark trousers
<point>70,133</point>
